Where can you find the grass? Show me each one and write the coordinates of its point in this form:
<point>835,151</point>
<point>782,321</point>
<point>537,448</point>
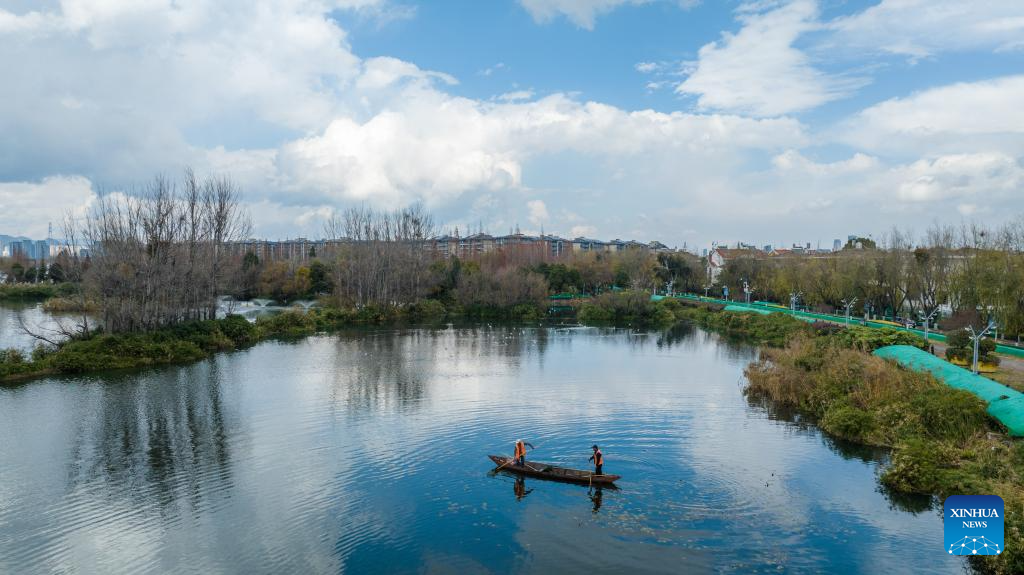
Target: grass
<point>59,304</point>
<point>942,440</point>
<point>34,291</point>
<point>628,307</point>
<point>771,330</point>
<point>196,340</point>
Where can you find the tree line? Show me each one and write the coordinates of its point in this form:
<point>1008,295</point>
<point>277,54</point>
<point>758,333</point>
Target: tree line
<point>158,255</point>
<point>970,271</point>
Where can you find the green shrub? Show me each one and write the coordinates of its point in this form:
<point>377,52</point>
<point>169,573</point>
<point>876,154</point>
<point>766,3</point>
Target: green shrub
<point>11,356</point>
<point>915,467</point>
<point>632,307</point>
<point>869,338</point>
<point>949,413</point>
<point>238,329</point>
<point>427,309</point>
<point>848,422</point>
<point>775,329</point>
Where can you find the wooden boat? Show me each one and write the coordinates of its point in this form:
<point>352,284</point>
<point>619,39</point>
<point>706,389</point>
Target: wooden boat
<point>548,471</point>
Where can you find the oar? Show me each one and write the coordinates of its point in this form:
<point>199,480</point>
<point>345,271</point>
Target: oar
<point>504,464</point>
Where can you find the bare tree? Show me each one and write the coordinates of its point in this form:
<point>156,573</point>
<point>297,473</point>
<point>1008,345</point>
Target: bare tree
<point>381,257</point>
<point>157,254</point>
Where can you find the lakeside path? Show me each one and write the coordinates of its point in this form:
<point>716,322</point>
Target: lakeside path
<point>1009,373</point>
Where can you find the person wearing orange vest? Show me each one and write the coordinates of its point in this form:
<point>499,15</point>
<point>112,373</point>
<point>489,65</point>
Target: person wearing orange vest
<point>598,460</point>
<point>520,453</point>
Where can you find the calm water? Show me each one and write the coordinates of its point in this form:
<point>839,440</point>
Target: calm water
<point>14,314</point>
<point>366,452</point>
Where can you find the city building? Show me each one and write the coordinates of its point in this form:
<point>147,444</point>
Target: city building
<point>720,257</point>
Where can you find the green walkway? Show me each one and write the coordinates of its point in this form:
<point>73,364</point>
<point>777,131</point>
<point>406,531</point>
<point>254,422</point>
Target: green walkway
<point>811,316</point>
<point>1004,403</point>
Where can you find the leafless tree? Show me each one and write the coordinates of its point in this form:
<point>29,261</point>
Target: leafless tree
<point>381,257</point>
<point>157,253</point>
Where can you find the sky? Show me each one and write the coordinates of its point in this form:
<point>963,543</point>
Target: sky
<point>686,121</point>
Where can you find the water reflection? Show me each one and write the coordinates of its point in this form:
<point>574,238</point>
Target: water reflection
<point>366,452</point>
<point>17,315</point>
<point>597,496</point>
<point>519,488</point>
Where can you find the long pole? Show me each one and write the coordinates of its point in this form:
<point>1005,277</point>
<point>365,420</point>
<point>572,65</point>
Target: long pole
<point>974,363</point>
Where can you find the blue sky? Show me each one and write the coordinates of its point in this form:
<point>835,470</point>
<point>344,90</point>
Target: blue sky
<point>770,121</point>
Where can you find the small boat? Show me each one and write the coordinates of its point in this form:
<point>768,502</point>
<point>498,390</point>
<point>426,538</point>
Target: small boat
<point>548,471</point>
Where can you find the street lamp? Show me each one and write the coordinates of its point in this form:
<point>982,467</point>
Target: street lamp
<point>706,289</point>
<point>793,298</point>
<point>976,339</point>
<point>928,321</point>
<point>848,305</point>
<point>988,316</point>
<point>747,290</point>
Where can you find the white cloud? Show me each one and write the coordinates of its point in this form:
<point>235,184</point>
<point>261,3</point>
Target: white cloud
<point>27,207</point>
<point>434,147</point>
<point>583,13</point>
<point>646,67</point>
<point>583,231</point>
<point>959,117</point>
<point>928,188</point>
<point>758,71</point>
<point>792,160</point>
<point>516,96</point>
<point>986,177</point>
<point>538,212</point>
<point>492,69</point>
<point>920,28</point>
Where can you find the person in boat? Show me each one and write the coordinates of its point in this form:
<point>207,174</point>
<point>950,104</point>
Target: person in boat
<point>520,453</point>
<point>598,459</point>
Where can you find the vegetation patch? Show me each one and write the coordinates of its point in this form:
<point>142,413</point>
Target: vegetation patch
<point>35,290</point>
<point>773,330</point>
<point>942,440</point>
<point>628,307</point>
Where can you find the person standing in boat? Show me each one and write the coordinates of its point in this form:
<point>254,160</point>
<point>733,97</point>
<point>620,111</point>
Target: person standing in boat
<point>598,459</point>
<point>520,453</point>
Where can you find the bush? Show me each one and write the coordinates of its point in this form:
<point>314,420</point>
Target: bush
<point>915,467</point>
<point>238,329</point>
<point>848,422</point>
<point>427,309</point>
<point>775,329</point>
<point>627,307</point>
<point>869,338</point>
<point>949,413</point>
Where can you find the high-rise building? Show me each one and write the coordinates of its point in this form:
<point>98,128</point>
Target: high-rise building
<point>837,245</point>
<point>28,248</point>
<point>42,250</point>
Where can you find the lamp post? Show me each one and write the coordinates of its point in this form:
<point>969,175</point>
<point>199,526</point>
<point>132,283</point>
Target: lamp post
<point>793,298</point>
<point>928,321</point>
<point>747,290</point>
<point>706,289</point>
<point>988,316</point>
<point>848,305</point>
<point>976,339</point>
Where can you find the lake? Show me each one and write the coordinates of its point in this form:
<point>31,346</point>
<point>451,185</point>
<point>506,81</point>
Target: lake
<point>365,452</point>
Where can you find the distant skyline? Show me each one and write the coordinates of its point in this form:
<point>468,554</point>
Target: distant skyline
<point>769,122</point>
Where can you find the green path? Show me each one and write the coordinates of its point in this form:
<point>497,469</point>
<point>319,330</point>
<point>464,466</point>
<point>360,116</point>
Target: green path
<point>1004,404</point>
<point>812,316</point>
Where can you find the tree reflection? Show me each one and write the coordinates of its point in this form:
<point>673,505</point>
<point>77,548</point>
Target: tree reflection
<point>157,436</point>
